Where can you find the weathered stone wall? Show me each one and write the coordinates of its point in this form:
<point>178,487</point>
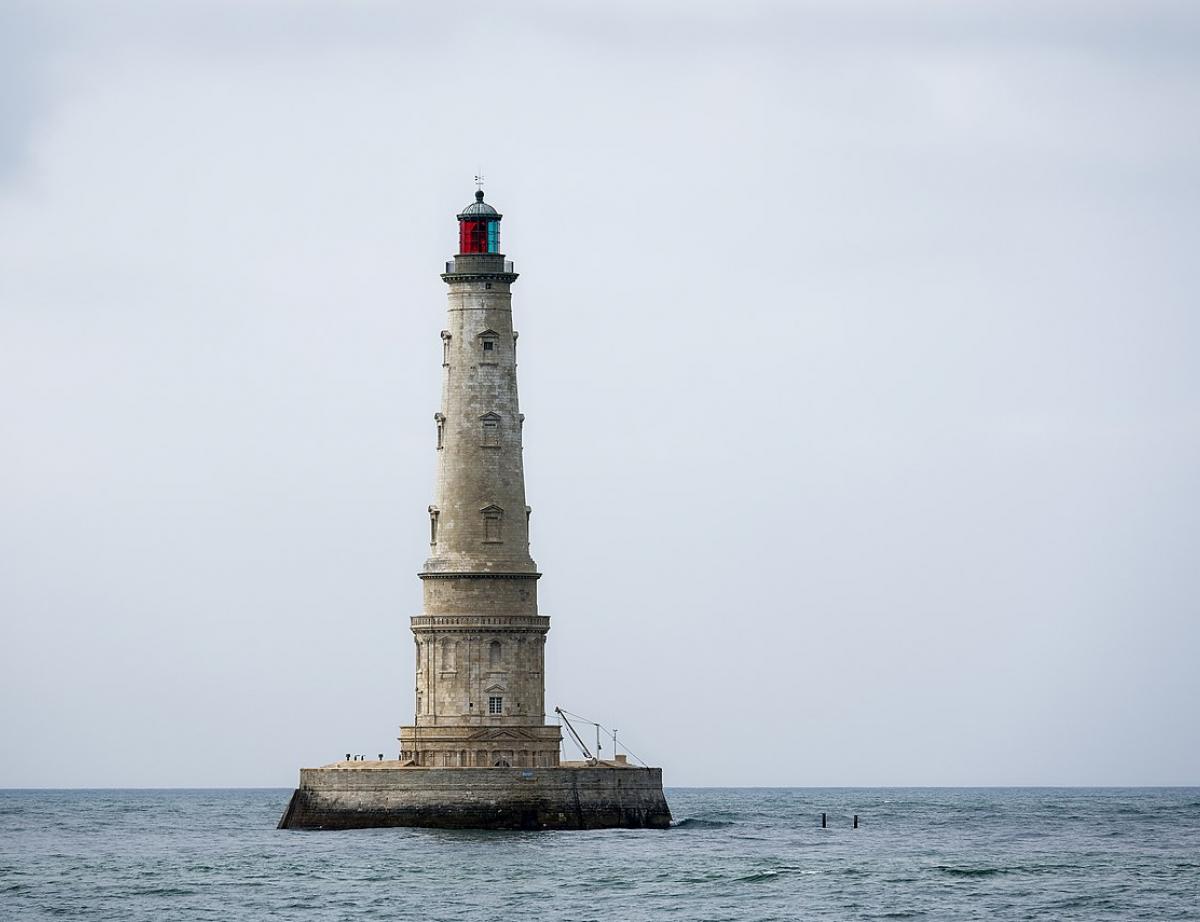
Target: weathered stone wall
<point>589,797</point>
<point>449,595</point>
<point>478,518</point>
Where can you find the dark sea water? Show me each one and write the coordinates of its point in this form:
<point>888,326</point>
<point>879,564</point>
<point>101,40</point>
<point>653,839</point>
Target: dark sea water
<point>735,854</point>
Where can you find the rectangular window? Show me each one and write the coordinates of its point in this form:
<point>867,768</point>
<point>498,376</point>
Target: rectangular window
<point>495,705</point>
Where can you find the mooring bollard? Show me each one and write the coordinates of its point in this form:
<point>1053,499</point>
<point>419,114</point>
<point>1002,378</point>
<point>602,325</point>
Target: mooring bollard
<point>856,821</point>
<point>381,757</point>
<point>822,820</point>
<point>347,757</point>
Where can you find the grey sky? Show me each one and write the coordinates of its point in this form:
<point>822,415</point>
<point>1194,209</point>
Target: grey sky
<point>859,349</point>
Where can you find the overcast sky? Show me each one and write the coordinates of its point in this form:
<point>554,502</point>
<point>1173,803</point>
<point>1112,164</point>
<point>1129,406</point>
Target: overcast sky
<point>860,355</point>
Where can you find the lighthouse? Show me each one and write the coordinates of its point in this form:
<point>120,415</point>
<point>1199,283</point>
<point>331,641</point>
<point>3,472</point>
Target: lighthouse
<point>479,642</point>
<point>479,753</point>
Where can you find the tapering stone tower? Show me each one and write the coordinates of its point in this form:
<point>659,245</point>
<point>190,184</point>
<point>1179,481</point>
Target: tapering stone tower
<point>480,642</point>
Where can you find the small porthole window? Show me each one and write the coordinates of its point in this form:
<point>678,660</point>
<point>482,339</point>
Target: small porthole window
<point>495,705</point>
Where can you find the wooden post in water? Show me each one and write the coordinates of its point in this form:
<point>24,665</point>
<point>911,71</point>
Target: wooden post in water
<point>822,820</point>
<point>856,821</point>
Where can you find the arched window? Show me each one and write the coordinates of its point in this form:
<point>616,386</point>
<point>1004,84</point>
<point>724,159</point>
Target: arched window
<point>445,348</point>
<point>434,512</point>
<point>441,429</point>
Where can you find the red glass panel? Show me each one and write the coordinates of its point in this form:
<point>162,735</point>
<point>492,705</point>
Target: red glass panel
<point>472,237</point>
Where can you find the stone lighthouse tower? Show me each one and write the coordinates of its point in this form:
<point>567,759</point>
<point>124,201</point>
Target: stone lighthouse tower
<point>480,642</point>
<point>479,753</point>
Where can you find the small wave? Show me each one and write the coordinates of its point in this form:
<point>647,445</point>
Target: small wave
<point>695,822</point>
<point>162,891</point>
<point>757,878</point>
<point>971,872</point>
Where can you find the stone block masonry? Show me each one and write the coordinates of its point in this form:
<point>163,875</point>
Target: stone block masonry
<point>362,795</point>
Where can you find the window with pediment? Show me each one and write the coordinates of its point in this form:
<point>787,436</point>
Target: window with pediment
<point>493,521</point>
<point>489,347</point>
<point>490,422</point>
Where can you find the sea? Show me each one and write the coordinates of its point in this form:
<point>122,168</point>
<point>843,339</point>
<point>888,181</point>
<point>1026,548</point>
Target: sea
<point>732,854</point>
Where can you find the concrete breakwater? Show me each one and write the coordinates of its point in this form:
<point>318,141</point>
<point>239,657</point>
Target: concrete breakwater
<point>358,795</point>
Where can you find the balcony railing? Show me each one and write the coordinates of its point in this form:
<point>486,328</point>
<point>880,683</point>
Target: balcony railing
<point>450,264</point>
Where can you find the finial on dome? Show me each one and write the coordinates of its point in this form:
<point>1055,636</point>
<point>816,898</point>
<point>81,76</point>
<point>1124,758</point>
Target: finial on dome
<point>479,195</point>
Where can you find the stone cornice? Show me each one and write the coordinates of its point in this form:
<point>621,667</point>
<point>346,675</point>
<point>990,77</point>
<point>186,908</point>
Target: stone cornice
<point>451,277</point>
<point>474,574</point>
<point>475,624</point>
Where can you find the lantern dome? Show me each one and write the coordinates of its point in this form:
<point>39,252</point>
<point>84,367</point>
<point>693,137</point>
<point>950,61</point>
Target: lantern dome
<point>478,209</point>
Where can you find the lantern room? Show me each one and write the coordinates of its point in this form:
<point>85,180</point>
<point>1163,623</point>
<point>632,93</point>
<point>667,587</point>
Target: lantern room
<point>479,227</point>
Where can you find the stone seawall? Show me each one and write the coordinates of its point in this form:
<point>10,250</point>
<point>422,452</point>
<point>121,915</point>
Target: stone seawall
<point>362,795</point>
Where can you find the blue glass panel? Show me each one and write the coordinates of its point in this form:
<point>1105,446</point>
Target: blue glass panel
<point>493,236</point>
